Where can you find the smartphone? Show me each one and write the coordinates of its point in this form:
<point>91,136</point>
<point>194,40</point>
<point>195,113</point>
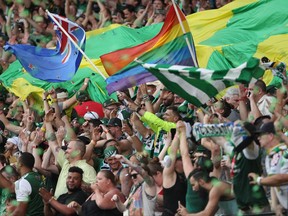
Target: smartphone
<point>248,93</point>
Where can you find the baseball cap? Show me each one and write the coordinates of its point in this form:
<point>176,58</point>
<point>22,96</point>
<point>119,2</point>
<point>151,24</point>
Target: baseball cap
<point>266,128</point>
<point>110,151</point>
<point>91,115</point>
<point>109,102</point>
<point>114,122</point>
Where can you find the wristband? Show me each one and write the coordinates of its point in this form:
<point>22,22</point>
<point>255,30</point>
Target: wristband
<point>258,180</point>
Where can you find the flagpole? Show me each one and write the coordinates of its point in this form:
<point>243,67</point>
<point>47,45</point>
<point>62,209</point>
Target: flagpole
<point>75,44</point>
<point>184,32</point>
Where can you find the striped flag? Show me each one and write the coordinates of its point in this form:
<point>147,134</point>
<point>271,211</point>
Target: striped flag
<point>198,85</point>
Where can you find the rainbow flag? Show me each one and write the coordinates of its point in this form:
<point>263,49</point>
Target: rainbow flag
<point>168,47</point>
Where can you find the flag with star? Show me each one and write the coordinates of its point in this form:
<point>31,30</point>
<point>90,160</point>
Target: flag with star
<point>53,65</point>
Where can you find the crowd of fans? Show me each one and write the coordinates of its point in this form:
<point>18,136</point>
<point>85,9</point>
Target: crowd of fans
<point>151,153</point>
<point>148,153</point>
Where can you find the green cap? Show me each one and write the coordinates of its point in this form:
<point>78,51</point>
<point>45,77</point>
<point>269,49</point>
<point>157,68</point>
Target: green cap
<point>110,151</point>
<point>109,102</point>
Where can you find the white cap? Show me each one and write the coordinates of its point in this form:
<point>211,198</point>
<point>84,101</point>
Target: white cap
<point>16,141</point>
<point>91,115</point>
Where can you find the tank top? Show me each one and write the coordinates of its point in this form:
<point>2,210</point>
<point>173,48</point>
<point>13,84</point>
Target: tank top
<point>174,194</point>
<point>90,208</point>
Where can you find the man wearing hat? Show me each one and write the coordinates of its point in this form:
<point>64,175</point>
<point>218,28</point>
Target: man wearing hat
<point>11,146</point>
<point>110,106</point>
<point>113,130</point>
<point>276,161</point>
<point>91,120</point>
<point>121,173</point>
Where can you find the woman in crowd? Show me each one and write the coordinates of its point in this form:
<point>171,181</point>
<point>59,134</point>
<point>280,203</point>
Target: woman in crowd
<point>99,202</point>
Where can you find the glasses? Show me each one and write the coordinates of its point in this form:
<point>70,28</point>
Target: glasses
<point>134,176</point>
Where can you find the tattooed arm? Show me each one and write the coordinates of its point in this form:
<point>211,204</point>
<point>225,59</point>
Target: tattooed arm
<point>150,186</point>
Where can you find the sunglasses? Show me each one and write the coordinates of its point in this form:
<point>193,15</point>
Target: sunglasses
<point>134,176</point>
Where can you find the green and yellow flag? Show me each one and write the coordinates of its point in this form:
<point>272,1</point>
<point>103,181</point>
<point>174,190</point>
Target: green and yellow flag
<point>224,38</point>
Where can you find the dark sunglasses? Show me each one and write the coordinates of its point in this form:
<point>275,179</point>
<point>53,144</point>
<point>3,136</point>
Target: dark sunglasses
<point>134,176</point>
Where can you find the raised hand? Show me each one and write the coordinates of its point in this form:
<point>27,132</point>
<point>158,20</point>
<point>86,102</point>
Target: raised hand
<point>50,116</point>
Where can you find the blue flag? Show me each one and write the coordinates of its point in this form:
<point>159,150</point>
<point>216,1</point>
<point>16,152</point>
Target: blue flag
<point>53,65</point>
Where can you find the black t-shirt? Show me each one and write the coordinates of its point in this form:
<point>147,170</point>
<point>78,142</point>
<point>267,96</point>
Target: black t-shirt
<point>78,196</point>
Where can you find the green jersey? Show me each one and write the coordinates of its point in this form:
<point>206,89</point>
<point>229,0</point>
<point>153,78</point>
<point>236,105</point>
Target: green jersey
<point>27,190</point>
<point>248,195</point>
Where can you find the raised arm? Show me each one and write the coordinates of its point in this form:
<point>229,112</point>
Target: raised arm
<point>96,136</point>
<point>147,178</point>
<point>13,128</point>
<point>46,162</point>
<point>50,134</point>
<point>187,164</point>
<point>139,21</point>
<point>169,174</point>
<point>69,102</point>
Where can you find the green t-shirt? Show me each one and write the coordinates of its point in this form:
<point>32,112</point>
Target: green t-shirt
<point>194,202</point>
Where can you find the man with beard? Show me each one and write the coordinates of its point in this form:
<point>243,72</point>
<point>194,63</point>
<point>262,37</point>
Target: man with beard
<point>121,173</point>
<point>220,194</point>
<point>75,193</point>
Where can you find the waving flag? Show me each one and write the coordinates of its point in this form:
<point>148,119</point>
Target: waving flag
<point>53,65</point>
<point>168,47</point>
<point>198,85</point>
